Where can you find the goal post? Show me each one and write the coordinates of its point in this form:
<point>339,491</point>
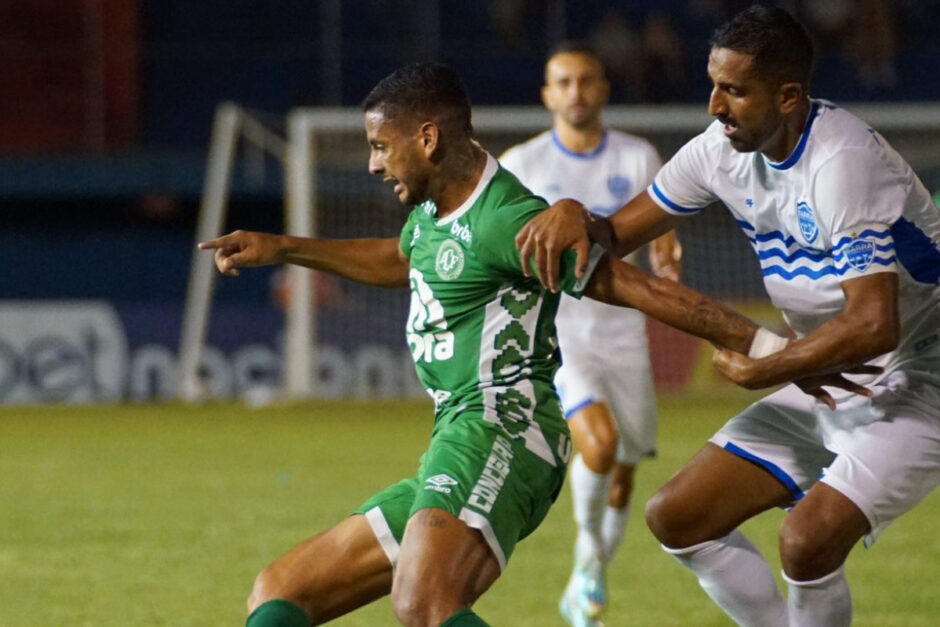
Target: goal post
<point>201,272</point>
<point>230,124</point>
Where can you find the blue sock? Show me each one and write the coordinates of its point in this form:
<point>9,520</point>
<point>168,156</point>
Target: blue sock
<point>278,613</point>
<point>465,618</point>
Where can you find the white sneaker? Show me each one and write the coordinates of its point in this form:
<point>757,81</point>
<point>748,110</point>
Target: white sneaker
<point>592,593</point>
<point>585,597</point>
<point>573,615</point>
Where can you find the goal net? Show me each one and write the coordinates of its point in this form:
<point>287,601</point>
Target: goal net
<point>343,340</point>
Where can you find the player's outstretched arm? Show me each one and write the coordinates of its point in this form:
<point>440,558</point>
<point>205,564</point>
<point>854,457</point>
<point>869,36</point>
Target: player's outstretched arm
<point>868,326</point>
<point>372,261</point>
<point>639,222</point>
<point>618,283</point>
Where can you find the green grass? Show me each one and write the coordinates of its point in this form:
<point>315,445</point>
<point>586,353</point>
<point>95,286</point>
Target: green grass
<point>162,516</point>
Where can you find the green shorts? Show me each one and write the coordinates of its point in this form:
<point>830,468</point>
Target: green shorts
<point>478,473</point>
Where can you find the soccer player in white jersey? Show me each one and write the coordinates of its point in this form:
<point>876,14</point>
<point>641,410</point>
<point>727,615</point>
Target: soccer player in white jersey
<point>482,337</point>
<point>849,245</point>
<point>606,388</point>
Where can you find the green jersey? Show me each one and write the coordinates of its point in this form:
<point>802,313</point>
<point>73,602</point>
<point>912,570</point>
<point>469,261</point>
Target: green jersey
<point>482,335</point>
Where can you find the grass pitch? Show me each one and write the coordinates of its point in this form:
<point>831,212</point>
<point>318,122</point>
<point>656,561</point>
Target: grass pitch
<point>162,515</point>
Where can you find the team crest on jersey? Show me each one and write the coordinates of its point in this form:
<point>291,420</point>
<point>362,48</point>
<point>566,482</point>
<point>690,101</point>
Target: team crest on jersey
<point>860,253</point>
<point>450,260</point>
<point>807,220</point>
<point>619,186</point>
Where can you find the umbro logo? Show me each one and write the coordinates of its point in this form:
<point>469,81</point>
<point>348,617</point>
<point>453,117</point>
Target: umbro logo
<point>440,483</point>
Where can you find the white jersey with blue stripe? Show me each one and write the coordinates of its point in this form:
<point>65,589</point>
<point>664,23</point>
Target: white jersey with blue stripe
<point>604,180</point>
<point>843,205</point>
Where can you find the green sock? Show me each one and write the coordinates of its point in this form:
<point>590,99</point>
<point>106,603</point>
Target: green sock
<point>279,613</point>
<point>465,618</point>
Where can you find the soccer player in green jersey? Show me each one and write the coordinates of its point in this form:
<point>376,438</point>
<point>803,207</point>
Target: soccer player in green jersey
<point>483,341</point>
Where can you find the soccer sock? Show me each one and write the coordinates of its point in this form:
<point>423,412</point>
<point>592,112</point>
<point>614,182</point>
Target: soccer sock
<point>278,613</point>
<point>613,526</point>
<point>823,602</point>
<point>464,618</point>
<point>590,492</point>
<point>737,578</point>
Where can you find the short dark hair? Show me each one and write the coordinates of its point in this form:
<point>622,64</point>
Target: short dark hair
<point>425,91</point>
<point>574,46</point>
<point>781,47</point>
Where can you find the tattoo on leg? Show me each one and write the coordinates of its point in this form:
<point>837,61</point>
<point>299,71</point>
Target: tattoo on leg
<point>430,519</point>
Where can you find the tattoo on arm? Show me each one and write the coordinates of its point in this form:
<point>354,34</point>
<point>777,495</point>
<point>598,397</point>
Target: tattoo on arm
<point>724,326</point>
<point>669,302</point>
<point>697,314</point>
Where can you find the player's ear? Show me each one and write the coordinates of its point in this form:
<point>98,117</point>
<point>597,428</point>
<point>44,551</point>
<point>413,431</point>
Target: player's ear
<point>430,136</point>
<point>546,98</point>
<point>789,96</point>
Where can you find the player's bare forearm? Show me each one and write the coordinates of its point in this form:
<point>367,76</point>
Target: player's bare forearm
<point>838,346</point>
<point>372,261</point>
<point>619,283</point>
<point>375,262</point>
<point>639,222</point>
<point>867,327</point>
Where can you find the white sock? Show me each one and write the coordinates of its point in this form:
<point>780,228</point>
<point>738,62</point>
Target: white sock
<point>737,578</point>
<point>590,492</point>
<point>823,602</point>
<point>613,526</point>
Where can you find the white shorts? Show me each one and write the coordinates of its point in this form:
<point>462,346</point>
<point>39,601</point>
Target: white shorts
<point>628,392</point>
<point>882,453</point>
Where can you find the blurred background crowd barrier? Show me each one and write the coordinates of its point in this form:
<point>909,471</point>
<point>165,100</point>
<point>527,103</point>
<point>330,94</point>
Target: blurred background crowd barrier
<point>107,117</point>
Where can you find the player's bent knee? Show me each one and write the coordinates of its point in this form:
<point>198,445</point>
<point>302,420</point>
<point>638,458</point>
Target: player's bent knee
<point>271,584</point>
<point>656,519</point>
<point>671,522</point>
<point>261,589</point>
<point>419,604</point>
<point>598,461</point>
<point>596,438</point>
<point>599,451</point>
<point>414,609</point>
<point>806,555</point>
<point>406,608</point>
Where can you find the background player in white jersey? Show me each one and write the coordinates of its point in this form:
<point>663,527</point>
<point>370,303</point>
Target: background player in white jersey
<point>482,337</point>
<point>849,245</point>
<point>606,388</point>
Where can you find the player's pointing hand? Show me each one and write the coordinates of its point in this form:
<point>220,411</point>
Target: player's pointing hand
<point>244,249</point>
